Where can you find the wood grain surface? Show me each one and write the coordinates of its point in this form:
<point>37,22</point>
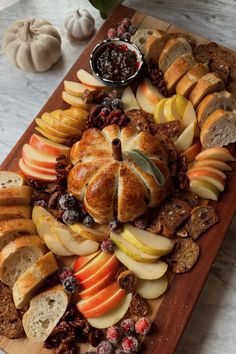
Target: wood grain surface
<point>171,312</point>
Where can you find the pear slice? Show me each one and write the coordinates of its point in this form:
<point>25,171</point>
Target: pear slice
<point>128,100</point>
<point>54,245</point>
<point>143,270</point>
<point>113,316</point>
<point>151,289</point>
<point>88,232</point>
<point>72,241</point>
<point>131,250</point>
<point>147,242</point>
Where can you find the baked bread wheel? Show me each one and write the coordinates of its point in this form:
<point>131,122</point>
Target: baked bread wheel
<point>206,84</point>
<point>110,188</point>
<point>219,129</point>
<point>173,49</point>
<point>212,102</point>
<point>177,69</point>
<point>189,80</point>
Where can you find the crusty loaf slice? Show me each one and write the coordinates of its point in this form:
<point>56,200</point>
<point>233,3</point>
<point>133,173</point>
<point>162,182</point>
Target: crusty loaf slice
<point>189,80</point>
<point>173,49</point>
<point>33,279</point>
<point>15,195</point>
<point>177,69</point>
<point>219,129</point>
<point>45,310</point>
<point>212,102</point>
<point>206,84</point>
<point>10,179</point>
<point>153,46</point>
<point>141,35</point>
<point>13,228</point>
<point>18,255</point>
<point>15,212</point>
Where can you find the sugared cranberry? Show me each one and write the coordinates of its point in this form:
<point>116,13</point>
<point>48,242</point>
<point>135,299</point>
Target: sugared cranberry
<point>119,351</point>
<point>127,36</point>
<point>105,347</point>
<point>142,326</point>
<point>125,22</point>
<point>67,201</point>
<point>116,103</point>
<point>127,326</point>
<point>111,33</point>
<point>132,29</point>
<point>70,216</point>
<point>106,102</point>
<point>105,112</point>
<point>88,221</point>
<point>120,31</point>
<point>70,284</point>
<point>115,225</point>
<point>64,273</point>
<point>113,334</point>
<point>130,344</point>
<point>107,245</point>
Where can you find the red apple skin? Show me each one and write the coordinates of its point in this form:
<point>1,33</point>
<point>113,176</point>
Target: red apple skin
<point>112,264</point>
<point>83,260</point>
<point>102,301</point>
<point>35,175</point>
<point>35,161</point>
<point>208,169</point>
<point>201,174</point>
<point>147,93</point>
<point>40,169</point>
<point>220,165</point>
<point>93,266</point>
<point>218,153</point>
<point>108,279</point>
<point>46,146</point>
<point>192,152</point>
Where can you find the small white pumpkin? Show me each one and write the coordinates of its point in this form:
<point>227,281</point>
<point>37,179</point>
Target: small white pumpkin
<point>79,24</point>
<point>32,44</point>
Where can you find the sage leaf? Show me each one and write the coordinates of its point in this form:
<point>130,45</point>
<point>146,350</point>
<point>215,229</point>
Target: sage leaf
<point>146,164</point>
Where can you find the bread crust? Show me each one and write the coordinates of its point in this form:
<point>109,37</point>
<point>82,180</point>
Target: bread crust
<point>188,81</point>
<point>15,195</point>
<point>15,212</point>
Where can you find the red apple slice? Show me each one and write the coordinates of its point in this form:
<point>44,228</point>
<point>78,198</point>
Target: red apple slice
<point>32,174</point>
<point>204,189</point>
<point>93,266</point>
<point>217,153</point>
<point>208,176</point>
<point>38,158</point>
<point>39,169</point>
<point>210,169</point>
<point>192,151</point>
<point>101,302</point>
<point>48,147</point>
<point>83,260</point>
<point>220,165</point>
<point>107,279</point>
<point>88,79</point>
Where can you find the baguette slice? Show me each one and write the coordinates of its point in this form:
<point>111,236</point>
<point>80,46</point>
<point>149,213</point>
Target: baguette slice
<point>212,102</point>
<point>18,255</point>
<point>206,84</point>
<point>45,310</point>
<point>153,46</point>
<point>10,179</point>
<point>219,129</point>
<point>15,195</point>
<point>173,49</point>
<point>142,35</point>
<point>189,80</point>
<point>33,279</point>
<point>13,228</point>
<point>15,212</point>
<point>177,69</point>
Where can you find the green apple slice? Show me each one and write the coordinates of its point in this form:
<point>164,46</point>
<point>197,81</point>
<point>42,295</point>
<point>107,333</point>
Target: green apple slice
<point>147,271</point>
<point>147,242</point>
<point>131,250</point>
<point>113,316</point>
<point>151,289</point>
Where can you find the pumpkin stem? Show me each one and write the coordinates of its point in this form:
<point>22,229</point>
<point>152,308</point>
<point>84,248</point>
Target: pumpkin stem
<point>116,149</point>
<point>25,33</point>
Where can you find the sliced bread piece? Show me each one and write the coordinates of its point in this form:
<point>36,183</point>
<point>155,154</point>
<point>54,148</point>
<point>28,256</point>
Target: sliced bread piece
<point>206,84</point>
<point>45,310</point>
<point>189,80</point>
<point>153,46</point>
<point>13,228</point>
<point>177,69</point>
<point>141,35</point>
<point>15,212</point>
<point>173,49</point>
<point>15,195</point>
<point>219,129</point>
<point>10,179</point>
<point>33,279</point>
<point>212,102</point>
<point>18,255</point>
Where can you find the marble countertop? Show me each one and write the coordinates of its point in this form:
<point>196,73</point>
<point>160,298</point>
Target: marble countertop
<point>211,329</point>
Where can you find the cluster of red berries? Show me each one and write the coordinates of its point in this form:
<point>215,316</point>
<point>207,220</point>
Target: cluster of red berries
<point>124,30</point>
<point>125,335</point>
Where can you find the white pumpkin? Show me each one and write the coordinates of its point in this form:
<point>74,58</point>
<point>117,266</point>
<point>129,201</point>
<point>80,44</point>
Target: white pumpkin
<point>32,44</point>
<point>79,24</point>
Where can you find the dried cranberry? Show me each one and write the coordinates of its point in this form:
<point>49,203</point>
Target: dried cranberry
<point>115,225</point>
<point>64,273</point>
<point>41,203</point>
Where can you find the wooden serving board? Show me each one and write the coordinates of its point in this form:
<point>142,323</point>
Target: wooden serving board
<point>171,312</point>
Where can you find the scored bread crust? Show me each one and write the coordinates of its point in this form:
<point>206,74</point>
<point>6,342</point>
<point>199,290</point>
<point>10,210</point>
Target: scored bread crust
<point>206,84</point>
<point>212,102</point>
<point>187,82</point>
<point>177,69</point>
<point>15,212</point>
<point>45,311</point>
<point>14,251</point>
<point>32,279</point>
<point>15,195</point>
<point>13,228</point>
<point>228,122</point>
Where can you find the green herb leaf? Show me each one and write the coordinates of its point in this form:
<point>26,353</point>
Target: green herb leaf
<point>146,164</point>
